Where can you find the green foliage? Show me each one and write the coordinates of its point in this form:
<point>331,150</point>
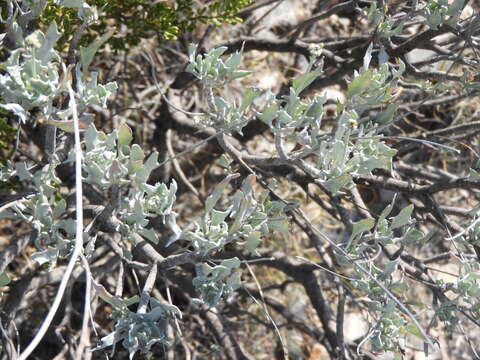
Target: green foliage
<point>34,77</point>
<point>436,13</point>
<point>4,280</point>
<point>140,331</point>
<point>212,70</point>
<point>44,210</point>
<point>111,160</point>
<point>32,80</point>
<point>144,18</point>
<point>295,120</point>
<point>439,12</point>
<point>217,282</point>
<point>216,73</point>
<point>7,132</point>
<point>386,26</point>
<point>251,219</point>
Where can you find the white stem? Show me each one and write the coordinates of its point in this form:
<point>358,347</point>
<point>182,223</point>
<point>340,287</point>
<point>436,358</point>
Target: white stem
<point>78,237</point>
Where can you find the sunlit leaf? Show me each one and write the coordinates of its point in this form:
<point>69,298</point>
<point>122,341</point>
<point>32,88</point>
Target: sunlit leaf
<point>87,54</point>
<point>4,279</point>
<point>403,218</point>
<point>217,192</point>
<point>362,226</point>
<point>125,136</point>
<point>335,184</point>
<point>302,81</point>
<point>359,84</point>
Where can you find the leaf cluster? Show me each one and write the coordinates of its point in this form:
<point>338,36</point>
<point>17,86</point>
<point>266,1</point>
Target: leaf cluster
<point>143,19</point>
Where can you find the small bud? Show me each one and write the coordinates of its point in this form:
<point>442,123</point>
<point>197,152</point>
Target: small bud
<point>316,50</point>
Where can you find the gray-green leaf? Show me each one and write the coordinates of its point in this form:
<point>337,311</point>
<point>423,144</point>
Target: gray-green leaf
<point>362,226</point>
<point>403,218</point>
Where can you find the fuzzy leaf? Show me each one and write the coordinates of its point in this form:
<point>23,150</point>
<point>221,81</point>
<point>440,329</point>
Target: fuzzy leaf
<point>17,110</point>
<point>362,226</point>
<point>386,116</point>
<point>335,184</point>
<point>301,82</point>
<point>49,255</point>
<point>86,54</point>
<point>4,279</point>
<point>217,192</point>
<point>71,3</point>
<point>402,218</point>
<point>387,210</point>
<point>149,234</point>
<point>368,57</point>
<point>252,242</point>
<point>124,135</point>
<point>382,56</point>
<point>136,153</point>
<point>455,8</point>
<point>414,330</point>
<point>359,84</point>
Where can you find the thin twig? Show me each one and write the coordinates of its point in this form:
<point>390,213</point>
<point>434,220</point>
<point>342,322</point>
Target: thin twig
<point>177,167</point>
<point>78,236</point>
<point>147,289</point>
<point>267,314</point>
<point>84,340</point>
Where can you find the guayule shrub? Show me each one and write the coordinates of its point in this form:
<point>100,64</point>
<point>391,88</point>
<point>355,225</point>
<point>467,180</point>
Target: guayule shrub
<point>140,331</point>
<point>45,210</point>
<point>234,219</point>
<point>354,148</point>
<point>32,80</point>
<point>300,122</point>
<point>440,12</point>
<point>251,219</point>
<point>110,160</point>
<point>389,329</point>
<point>213,283</point>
